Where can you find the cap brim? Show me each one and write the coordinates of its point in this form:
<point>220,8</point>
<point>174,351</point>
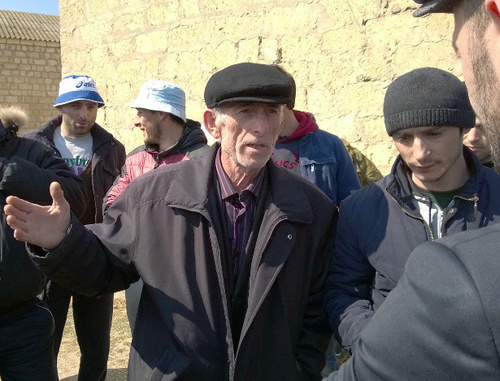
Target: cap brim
<point>74,96</point>
<point>434,6</point>
<point>271,100</point>
<point>157,106</point>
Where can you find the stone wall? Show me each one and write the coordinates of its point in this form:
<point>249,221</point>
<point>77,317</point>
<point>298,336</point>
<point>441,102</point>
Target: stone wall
<point>343,54</point>
<point>30,72</point>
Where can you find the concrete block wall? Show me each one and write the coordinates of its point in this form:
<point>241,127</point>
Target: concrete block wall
<point>30,72</point>
<point>343,54</point>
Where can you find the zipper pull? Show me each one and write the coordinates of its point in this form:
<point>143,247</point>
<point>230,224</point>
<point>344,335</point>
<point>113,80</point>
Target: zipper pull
<point>476,199</point>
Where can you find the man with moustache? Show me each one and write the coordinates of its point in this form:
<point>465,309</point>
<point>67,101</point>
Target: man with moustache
<point>442,321</point>
<point>97,157</point>
<point>233,250</point>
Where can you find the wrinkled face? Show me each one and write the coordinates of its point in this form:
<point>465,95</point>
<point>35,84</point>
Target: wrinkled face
<point>433,154</point>
<point>149,123</point>
<point>480,55</point>
<point>78,118</point>
<point>477,141</point>
<point>247,133</point>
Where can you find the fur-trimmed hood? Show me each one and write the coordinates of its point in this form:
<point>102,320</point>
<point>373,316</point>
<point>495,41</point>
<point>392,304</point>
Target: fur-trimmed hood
<point>13,117</point>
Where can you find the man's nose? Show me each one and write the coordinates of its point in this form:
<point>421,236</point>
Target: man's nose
<point>472,135</point>
<point>261,122</point>
<point>420,148</point>
<point>83,113</point>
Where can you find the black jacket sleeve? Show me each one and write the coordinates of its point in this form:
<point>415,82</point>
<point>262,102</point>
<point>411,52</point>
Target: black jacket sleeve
<point>87,265</point>
<point>28,172</point>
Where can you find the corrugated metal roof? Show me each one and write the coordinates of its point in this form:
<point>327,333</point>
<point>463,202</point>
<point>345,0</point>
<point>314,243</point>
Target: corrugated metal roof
<point>29,26</point>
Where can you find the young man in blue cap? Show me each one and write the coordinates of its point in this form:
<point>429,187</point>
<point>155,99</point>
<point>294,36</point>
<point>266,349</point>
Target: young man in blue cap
<point>97,157</point>
<point>233,250</point>
<point>169,137</point>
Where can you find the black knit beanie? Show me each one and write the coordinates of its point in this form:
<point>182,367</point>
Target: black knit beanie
<point>427,97</point>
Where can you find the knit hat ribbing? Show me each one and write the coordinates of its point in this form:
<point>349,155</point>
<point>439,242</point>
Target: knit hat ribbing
<point>427,97</point>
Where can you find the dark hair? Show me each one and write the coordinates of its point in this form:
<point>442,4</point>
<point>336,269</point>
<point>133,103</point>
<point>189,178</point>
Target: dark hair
<point>176,119</point>
<point>291,103</point>
<point>474,9</point>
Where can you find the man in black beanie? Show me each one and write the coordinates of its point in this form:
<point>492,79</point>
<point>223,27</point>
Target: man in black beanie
<point>437,187</point>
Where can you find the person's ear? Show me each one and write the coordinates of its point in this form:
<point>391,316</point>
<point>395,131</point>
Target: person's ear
<point>210,125</point>
<point>160,115</point>
<point>492,7</point>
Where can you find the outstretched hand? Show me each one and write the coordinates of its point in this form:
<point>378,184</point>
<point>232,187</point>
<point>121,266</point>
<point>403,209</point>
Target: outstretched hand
<point>44,226</point>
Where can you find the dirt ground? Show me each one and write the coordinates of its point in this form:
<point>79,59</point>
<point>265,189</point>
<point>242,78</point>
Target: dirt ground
<point>69,354</point>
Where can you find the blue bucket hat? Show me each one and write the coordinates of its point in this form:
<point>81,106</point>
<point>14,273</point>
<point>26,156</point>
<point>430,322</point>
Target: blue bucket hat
<point>158,95</point>
<point>74,88</point>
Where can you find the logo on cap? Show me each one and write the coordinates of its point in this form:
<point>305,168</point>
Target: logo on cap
<point>74,88</point>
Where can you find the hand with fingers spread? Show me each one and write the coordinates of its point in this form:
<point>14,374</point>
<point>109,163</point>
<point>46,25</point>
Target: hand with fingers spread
<point>44,226</point>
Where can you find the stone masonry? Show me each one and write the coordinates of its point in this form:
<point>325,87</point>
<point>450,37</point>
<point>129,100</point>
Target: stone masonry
<point>30,72</point>
<point>343,54</point>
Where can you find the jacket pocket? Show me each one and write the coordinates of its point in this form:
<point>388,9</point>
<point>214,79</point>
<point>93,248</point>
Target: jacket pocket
<point>172,365</point>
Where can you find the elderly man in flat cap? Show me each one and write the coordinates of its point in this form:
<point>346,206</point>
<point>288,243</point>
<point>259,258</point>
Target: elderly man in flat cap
<point>232,249</point>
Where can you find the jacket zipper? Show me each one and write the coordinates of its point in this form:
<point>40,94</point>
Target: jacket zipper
<point>260,252</point>
<point>428,228</point>
<point>473,199</point>
<point>222,287</point>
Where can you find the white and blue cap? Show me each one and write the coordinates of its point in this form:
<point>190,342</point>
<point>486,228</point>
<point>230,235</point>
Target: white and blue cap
<point>158,95</point>
<point>74,88</point>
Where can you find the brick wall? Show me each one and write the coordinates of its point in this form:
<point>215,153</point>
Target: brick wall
<point>343,54</point>
<point>30,72</point>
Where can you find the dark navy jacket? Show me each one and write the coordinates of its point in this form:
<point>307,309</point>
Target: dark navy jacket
<point>379,227</point>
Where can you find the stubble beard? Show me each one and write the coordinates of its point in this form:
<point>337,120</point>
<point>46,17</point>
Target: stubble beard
<point>486,94</point>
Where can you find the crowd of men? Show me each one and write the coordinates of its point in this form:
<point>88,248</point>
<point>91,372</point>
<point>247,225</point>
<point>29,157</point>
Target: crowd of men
<point>261,257</point>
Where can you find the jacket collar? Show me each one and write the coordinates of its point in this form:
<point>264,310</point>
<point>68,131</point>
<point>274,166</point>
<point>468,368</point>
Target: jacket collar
<point>192,184</point>
<point>401,187</point>
<point>99,134</point>
<point>192,135</point>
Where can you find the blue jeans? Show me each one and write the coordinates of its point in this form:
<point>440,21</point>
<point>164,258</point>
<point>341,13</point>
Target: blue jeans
<point>26,346</point>
<point>92,317</point>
